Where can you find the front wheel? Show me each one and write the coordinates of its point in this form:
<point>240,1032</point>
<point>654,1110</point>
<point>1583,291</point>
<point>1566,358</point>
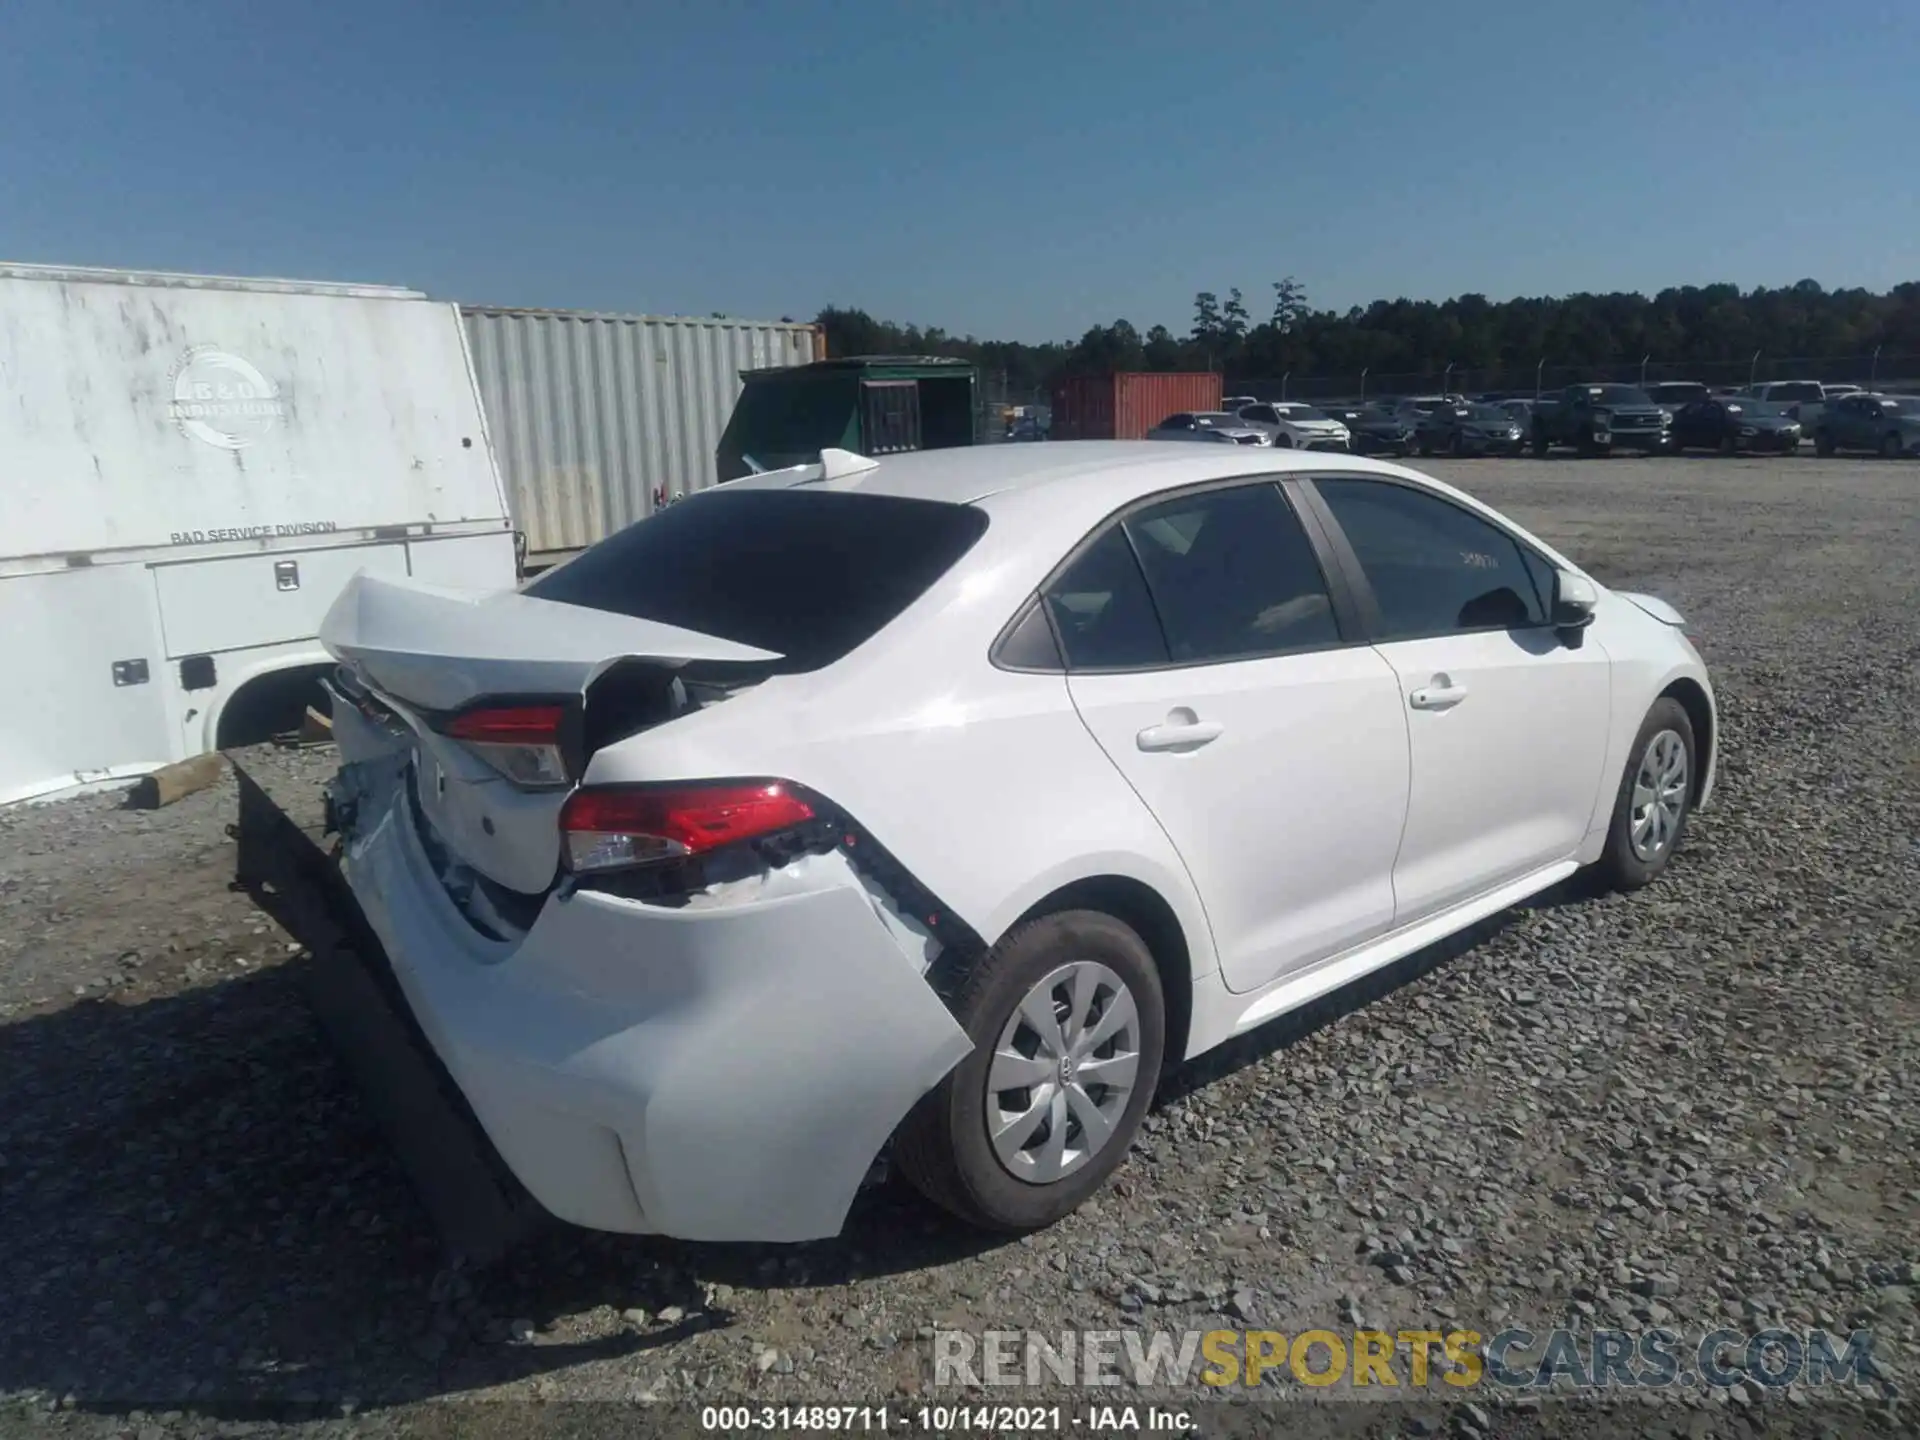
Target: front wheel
<point>1656,796</point>
<point>1823,444</point>
<point>1068,1022</point>
<point>1283,442</point>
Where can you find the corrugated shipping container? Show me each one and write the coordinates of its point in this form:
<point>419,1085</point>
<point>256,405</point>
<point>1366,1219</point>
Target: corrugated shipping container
<point>590,414</point>
<point>1125,406</point>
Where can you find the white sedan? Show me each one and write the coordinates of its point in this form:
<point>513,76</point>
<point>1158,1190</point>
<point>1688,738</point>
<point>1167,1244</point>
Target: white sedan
<point>1296,426</point>
<point>945,800</point>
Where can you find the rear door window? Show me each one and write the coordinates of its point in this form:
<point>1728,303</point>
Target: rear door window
<point>1232,575</point>
<point>807,574</point>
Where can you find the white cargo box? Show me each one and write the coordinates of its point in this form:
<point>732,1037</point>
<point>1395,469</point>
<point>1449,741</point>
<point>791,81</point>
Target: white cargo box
<point>191,468</point>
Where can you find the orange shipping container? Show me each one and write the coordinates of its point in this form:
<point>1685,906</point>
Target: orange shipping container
<point>1127,405</point>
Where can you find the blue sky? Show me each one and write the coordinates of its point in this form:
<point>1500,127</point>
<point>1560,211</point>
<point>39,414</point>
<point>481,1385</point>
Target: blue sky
<point>1014,171</point>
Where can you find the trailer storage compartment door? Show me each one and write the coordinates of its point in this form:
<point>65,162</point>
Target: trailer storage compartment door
<point>81,655</point>
<point>211,605</point>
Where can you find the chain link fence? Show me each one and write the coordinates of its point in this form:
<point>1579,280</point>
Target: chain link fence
<point>1898,373</point>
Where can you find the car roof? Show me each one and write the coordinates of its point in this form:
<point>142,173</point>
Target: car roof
<point>1044,498</point>
<point>1119,469</point>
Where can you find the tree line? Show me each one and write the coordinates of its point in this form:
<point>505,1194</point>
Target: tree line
<point>1684,325</point>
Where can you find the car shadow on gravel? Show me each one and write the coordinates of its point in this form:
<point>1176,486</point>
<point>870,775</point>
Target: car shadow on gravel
<point>200,1214</point>
<point>1296,1025</point>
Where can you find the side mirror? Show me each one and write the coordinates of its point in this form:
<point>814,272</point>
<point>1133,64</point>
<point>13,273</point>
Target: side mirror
<point>1574,601</point>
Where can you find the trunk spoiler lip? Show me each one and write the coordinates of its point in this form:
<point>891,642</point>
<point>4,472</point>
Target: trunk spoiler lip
<point>439,649</point>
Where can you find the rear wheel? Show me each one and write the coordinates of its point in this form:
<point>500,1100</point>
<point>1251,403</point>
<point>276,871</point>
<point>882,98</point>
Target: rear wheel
<point>1823,444</point>
<point>1540,443</point>
<point>1456,447</point>
<point>1068,1022</point>
<point>1283,442</point>
<point>1656,796</point>
<point>1890,447</point>
<point>1728,445</point>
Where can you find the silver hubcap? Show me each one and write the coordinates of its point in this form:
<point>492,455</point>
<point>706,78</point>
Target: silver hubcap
<point>1063,1072</point>
<point>1659,795</point>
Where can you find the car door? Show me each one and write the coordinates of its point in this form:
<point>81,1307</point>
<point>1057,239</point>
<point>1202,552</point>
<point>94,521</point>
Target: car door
<point>1845,422</point>
<point>1708,424</point>
<point>1507,719</point>
<point>1208,657</point>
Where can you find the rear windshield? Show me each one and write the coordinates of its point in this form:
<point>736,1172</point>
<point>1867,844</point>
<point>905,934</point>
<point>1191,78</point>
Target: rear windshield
<point>807,574</point>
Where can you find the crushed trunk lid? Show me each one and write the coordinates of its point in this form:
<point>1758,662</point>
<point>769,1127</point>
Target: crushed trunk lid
<point>442,649</point>
<point>427,651</point>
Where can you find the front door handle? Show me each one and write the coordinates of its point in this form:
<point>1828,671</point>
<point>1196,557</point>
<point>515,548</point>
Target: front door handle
<point>1182,730</point>
<point>1441,694</point>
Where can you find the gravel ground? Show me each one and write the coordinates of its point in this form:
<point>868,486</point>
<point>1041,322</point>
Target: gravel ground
<point>1694,1106</point>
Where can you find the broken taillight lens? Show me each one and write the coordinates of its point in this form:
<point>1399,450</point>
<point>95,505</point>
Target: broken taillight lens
<point>614,827</point>
<point>522,742</point>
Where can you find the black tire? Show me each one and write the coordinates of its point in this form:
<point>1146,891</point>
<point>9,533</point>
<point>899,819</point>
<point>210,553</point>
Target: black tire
<point>1283,442</point>
<point>1729,445</point>
<point>1426,449</point>
<point>1456,447</point>
<point>1619,867</point>
<point>943,1148</point>
<point>1891,448</point>
<point>1823,443</point>
<point>1541,445</point>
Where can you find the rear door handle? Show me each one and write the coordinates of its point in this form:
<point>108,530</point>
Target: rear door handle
<point>1442,694</point>
<point>1179,735</point>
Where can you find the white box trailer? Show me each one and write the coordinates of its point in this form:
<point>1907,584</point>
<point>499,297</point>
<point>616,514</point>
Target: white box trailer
<point>191,467</point>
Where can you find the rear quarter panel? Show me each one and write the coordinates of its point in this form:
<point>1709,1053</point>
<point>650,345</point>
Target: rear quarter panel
<point>982,782</point>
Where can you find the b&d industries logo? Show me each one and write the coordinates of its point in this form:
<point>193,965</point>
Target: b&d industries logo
<point>222,400</point>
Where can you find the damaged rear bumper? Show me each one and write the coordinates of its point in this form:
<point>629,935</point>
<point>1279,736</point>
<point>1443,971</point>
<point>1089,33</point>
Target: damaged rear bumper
<point>724,1070</point>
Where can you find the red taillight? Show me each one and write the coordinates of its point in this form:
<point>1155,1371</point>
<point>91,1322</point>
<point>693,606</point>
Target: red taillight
<point>522,742</point>
<point>609,829</point>
<point>520,725</point>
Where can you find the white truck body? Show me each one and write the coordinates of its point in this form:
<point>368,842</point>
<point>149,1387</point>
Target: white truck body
<point>191,468</point>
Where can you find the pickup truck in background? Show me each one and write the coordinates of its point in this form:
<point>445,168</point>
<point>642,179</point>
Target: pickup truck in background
<point>1597,419</point>
<point>1803,400</point>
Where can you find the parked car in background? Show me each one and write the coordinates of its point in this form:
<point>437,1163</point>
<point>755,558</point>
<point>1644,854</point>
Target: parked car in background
<point>1471,430</point>
<point>1803,400</point>
<point>1734,423</point>
<point>694,965</point>
<point>1415,408</point>
<point>1886,424</point>
<point>1670,395</point>
<point>1596,419</point>
<point>1520,411</point>
<point>1210,427</point>
<point>1371,430</point>
<point>1292,425</point>
<point>1233,403</point>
